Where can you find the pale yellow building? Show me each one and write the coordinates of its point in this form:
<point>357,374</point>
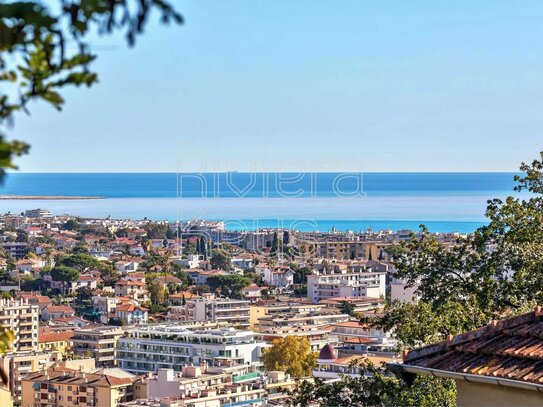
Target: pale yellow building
<point>62,387</point>
<point>58,341</point>
<point>5,397</point>
<point>17,365</point>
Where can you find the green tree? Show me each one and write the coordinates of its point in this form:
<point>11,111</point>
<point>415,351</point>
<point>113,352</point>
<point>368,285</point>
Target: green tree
<point>43,49</point>
<point>156,292</point>
<point>156,230</point>
<point>110,276</point>
<point>275,245</point>
<point>220,260</point>
<point>300,275</point>
<point>82,262</point>
<point>375,387</point>
<point>292,355</point>
<point>493,272</point>
<point>71,224</point>
<point>64,274</point>
<point>347,308</point>
<point>230,285</point>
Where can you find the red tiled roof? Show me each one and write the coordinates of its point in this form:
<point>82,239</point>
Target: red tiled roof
<point>130,308</point>
<point>509,349</point>
<point>55,336</point>
<point>358,340</point>
<point>131,282</point>
<point>60,308</point>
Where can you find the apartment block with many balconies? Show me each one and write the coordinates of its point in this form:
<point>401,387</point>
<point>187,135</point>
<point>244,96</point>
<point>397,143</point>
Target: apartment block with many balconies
<point>365,283</point>
<point>99,343</point>
<point>22,319</point>
<point>150,348</point>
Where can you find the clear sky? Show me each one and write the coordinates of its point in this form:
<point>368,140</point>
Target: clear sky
<point>308,85</point>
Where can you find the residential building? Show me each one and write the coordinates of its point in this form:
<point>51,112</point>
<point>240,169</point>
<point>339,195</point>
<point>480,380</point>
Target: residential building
<point>17,250</point>
<point>358,304</point>
<point>126,266</point>
<point>131,314</point>
<point>401,291</point>
<point>41,301</point>
<point>38,213</point>
<point>105,307</point>
<point>252,292</point>
<point>63,387</point>
<point>496,365</point>
<point>281,276</point>
<point>330,366</point>
<point>340,250</point>
<point>209,308</point>
<point>153,347</point>
<point>192,261</point>
<point>133,289</point>
<point>97,342</point>
<point>201,386</point>
<point>186,383</point>
<point>55,341</point>
<point>276,308</point>
<point>22,319</point>
<point>366,283</point>
<point>84,281</point>
<point>13,221</point>
<point>57,311</point>
<point>17,365</point>
<point>316,328</point>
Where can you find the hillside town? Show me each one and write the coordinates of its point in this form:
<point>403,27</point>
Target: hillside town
<point>142,313</point>
<point>113,312</point>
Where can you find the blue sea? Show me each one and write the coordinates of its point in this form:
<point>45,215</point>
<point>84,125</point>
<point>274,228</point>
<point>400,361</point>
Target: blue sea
<point>444,202</point>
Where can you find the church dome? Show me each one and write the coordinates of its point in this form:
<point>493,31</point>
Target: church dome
<point>327,353</point>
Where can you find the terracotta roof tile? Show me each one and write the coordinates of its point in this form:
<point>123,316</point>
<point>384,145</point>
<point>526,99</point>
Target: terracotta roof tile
<point>510,349</point>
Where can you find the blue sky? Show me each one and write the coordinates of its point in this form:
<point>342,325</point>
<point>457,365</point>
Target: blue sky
<point>308,85</point>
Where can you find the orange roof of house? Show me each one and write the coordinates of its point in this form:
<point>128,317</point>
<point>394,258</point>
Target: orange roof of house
<point>55,336</point>
<point>130,308</point>
<point>510,349</point>
<point>59,308</point>
<point>350,324</point>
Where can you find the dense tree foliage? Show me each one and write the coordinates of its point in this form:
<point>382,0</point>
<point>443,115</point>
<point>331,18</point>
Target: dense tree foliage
<point>375,387</point>
<point>229,285</point>
<point>292,355</point>
<point>493,273</point>
<point>82,262</point>
<point>220,260</point>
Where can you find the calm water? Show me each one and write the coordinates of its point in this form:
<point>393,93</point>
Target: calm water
<point>443,201</point>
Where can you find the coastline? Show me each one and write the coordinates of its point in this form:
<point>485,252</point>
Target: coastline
<point>46,197</point>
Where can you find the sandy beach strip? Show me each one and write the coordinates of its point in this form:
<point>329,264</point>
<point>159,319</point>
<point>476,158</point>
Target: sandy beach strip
<point>47,197</point>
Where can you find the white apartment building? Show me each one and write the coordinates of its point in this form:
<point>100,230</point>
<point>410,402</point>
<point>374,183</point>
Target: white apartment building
<point>192,261</point>
<point>281,276</point>
<point>345,284</point>
<point>234,312</point>
<point>22,319</point>
<point>38,213</point>
<point>153,347</point>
